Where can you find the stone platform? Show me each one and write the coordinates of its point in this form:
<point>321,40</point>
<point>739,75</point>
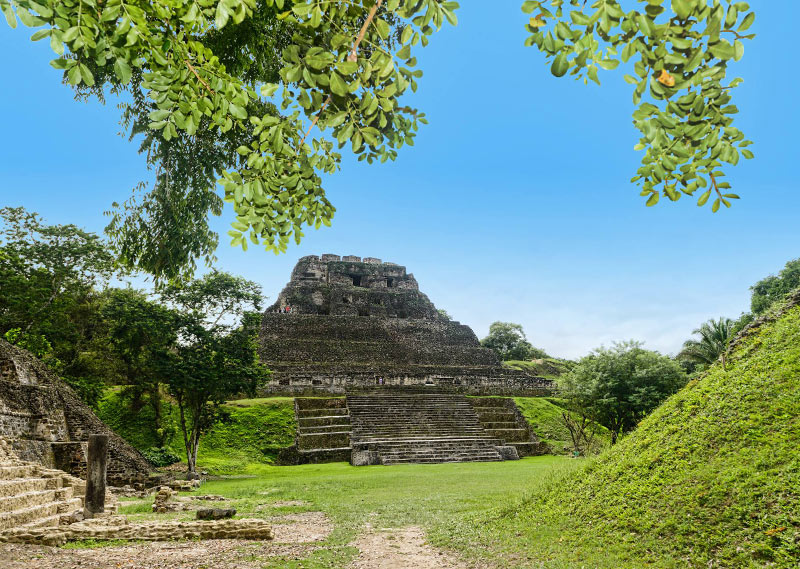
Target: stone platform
<point>392,427</point>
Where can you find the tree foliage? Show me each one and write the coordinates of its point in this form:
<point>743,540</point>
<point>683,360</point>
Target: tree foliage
<point>712,344</point>
<point>616,387</point>
<point>509,342</point>
<point>213,360</point>
<point>342,69</point>
<point>49,276</point>
<point>680,56</point>
<point>772,288</point>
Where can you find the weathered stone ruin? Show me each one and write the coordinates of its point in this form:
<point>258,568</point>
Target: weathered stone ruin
<point>47,423</point>
<point>45,506</point>
<point>361,327</point>
<point>32,496</point>
<point>395,427</point>
<point>346,323</point>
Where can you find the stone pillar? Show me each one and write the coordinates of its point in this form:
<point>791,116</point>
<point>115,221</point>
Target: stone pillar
<point>96,476</point>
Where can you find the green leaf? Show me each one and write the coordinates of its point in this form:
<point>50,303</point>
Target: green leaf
<point>41,34</point>
<point>268,89</point>
<point>738,50</point>
<point>237,111</point>
<point>560,65</point>
<point>338,86</point>
<point>653,200</point>
<point>704,198</point>
<point>9,14</point>
<point>747,22</point>
<point>122,70</point>
<point>682,8</point>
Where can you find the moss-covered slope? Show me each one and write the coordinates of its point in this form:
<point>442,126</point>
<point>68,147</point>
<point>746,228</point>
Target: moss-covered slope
<point>710,479</point>
<point>253,432</point>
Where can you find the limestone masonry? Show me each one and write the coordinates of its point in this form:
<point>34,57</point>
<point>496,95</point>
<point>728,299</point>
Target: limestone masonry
<point>47,423</point>
<point>346,323</point>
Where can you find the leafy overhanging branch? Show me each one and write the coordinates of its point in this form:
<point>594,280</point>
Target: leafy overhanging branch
<point>276,188</point>
<point>680,59</point>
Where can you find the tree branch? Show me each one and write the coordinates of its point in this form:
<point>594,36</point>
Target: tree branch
<point>352,56</point>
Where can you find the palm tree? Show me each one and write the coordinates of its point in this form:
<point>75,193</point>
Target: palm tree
<point>715,335</point>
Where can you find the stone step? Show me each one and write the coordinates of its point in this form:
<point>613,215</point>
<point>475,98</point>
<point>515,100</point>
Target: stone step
<point>501,425</point>
<point>321,429</point>
<point>320,421</point>
<point>9,472</point>
<point>48,522</point>
<point>529,448</point>
<point>307,413</point>
<point>30,499</point>
<point>515,434</point>
<point>337,439</point>
<point>488,401</point>
<point>304,403</point>
<point>315,456</point>
<point>23,485</point>
<point>32,514</point>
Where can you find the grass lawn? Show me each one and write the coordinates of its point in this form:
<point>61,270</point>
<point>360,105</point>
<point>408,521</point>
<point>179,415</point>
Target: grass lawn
<point>436,497</point>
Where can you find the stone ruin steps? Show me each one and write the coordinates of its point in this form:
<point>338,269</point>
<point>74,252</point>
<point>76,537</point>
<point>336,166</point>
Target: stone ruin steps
<point>397,428</point>
<point>323,429</point>
<point>33,497</point>
<point>500,418</point>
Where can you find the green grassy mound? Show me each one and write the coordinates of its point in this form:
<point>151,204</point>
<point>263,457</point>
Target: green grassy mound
<point>254,432</point>
<point>544,416</point>
<point>710,479</point>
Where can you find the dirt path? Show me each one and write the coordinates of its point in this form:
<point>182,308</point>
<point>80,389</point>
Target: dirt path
<point>403,548</point>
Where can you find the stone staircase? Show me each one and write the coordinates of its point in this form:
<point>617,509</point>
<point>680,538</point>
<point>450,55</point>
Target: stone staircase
<point>32,496</point>
<point>323,429</point>
<point>500,418</point>
<point>395,428</point>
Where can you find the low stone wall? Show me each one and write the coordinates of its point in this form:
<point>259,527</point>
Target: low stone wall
<point>117,527</point>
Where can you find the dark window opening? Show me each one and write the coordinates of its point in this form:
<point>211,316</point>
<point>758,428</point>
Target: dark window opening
<point>283,382</point>
<point>356,280</point>
<point>346,300</point>
<point>316,382</point>
<point>390,282</point>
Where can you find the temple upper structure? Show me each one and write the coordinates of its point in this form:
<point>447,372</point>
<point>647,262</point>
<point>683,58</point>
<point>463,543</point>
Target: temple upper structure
<point>348,324</point>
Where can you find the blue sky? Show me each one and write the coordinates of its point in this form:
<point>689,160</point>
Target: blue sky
<point>515,203</point>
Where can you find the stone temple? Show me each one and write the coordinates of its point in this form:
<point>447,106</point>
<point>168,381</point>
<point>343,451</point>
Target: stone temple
<point>363,329</point>
<point>344,323</point>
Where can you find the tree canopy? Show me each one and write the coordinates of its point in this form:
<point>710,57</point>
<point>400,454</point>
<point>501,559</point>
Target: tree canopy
<point>775,287</point>
<point>261,97</point>
<point>616,387</point>
<point>509,342</point>
<point>343,66</point>
<point>712,344</point>
<point>680,57</point>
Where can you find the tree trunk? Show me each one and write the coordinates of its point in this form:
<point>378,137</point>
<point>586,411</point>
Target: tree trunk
<point>190,457</point>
